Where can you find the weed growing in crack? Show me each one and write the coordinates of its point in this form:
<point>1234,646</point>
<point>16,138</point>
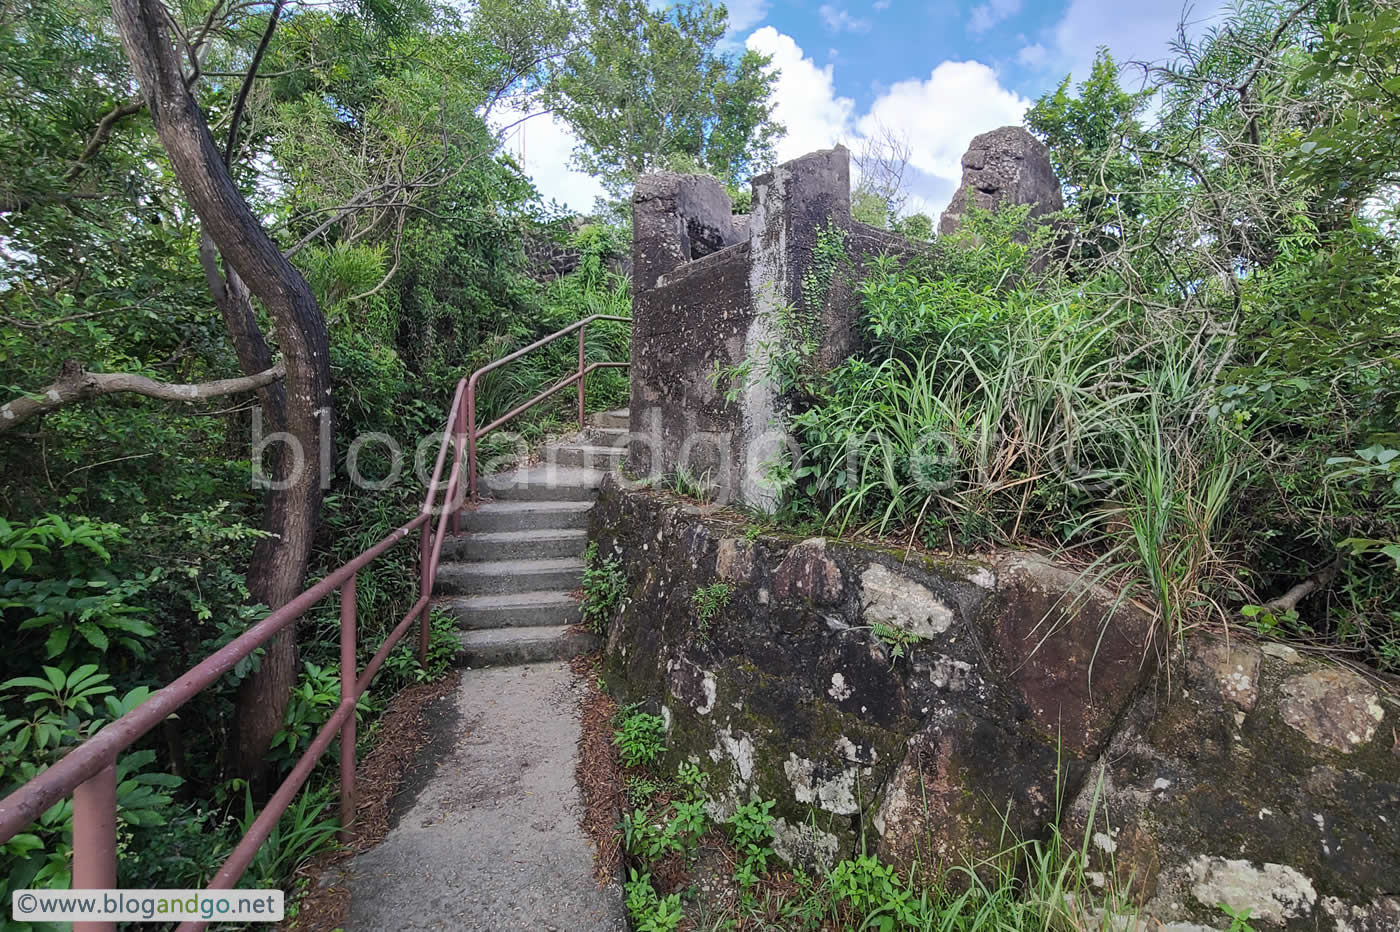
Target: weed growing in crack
<point>708,602</point>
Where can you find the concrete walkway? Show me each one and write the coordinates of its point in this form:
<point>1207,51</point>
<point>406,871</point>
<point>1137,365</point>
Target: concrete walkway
<point>487,836</point>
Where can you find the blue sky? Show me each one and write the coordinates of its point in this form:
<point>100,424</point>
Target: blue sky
<point>935,74</point>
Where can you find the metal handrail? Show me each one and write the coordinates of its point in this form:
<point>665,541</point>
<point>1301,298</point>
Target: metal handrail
<point>473,433</point>
<point>88,772</point>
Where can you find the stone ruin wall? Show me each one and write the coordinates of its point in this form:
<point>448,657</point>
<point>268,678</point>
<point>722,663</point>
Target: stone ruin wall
<point>1251,776</point>
<point>708,288</point>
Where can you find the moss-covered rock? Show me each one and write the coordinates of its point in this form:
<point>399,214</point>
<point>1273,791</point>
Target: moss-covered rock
<point>939,710</point>
<point>847,681</point>
<point>1259,781</point>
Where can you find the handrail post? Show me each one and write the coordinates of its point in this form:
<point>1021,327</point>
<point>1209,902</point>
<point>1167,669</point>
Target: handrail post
<point>425,554</point>
<point>471,438</point>
<point>95,839</point>
<point>348,676</point>
<point>459,420</point>
<point>581,331</point>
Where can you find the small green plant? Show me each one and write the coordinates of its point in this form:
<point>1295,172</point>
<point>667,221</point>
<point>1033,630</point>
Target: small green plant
<point>687,484</point>
<point>692,780</point>
<point>708,602</point>
<point>870,888</point>
<point>641,789</point>
<point>1239,919</point>
<point>443,645</point>
<point>604,587</point>
<point>898,640</point>
<point>649,912</point>
<point>753,532</point>
<point>640,737</point>
<point>751,829</point>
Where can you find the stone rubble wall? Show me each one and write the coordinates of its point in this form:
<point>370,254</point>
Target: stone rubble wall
<point>1251,776</point>
<point>548,258</point>
<point>708,290</point>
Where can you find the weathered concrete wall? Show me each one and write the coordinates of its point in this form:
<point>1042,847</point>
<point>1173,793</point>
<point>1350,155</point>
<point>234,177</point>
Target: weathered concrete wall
<point>1254,778</point>
<point>708,289</point>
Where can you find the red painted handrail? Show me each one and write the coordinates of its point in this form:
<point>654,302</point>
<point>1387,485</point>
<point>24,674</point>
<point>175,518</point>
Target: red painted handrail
<point>474,433</point>
<point>88,772</point>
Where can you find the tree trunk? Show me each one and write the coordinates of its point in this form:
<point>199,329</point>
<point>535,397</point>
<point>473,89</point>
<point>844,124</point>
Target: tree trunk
<point>278,568</point>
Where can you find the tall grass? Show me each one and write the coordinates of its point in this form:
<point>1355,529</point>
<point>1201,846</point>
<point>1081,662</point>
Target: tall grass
<point>1033,415</point>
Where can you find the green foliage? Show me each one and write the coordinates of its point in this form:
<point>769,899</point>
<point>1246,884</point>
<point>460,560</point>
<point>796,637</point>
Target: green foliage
<point>306,829</point>
<point>898,640</point>
<point>1358,61</point>
<point>44,717</point>
<point>648,88</point>
<point>640,737</point>
<point>443,645</point>
<point>604,588</point>
<point>751,831</point>
<point>708,602</point>
<point>673,830</point>
<point>917,227</point>
<point>650,912</point>
<point>57,583</point>
<point>869,888</point>
<point>685,483</point>
<point>1239,919</point>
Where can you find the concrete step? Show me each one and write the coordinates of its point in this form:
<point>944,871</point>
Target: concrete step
<point>503,577</point>
<point>618,418</point>
<point>515,545</point>
<point>587,455</point>
<point>526,516</point>
<point>520,610</point>
<point>608,436</point>
<point>502,646</point>
<point>542,482</point>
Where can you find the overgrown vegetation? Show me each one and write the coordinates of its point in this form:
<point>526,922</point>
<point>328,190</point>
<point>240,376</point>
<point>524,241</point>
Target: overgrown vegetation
<point>1189,380</point>
<point>362,139</point>
<point>670,838</point>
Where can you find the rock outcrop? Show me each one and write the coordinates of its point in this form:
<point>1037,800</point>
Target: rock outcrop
<point>1005,166</point>
<point>934,708</point>
<point>1255,779</point>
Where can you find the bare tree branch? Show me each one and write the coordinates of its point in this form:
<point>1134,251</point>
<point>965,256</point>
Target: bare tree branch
<point>232,145</point>
<point>74,383</point>
<point>104,130</point>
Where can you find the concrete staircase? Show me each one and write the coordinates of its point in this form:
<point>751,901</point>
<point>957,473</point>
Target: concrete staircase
<point>511,578</point>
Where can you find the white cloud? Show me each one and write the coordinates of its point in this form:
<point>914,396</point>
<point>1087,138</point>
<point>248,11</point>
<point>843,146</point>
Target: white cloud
<point>840,20</point>
<point>745,14</point>
<point>987,15</point>
<point>1138,31</point>
<point>938,115</point>
<point>881,5</point>
<point>804,97</point>
<point>1032,56</point>
<point>543,145</point>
